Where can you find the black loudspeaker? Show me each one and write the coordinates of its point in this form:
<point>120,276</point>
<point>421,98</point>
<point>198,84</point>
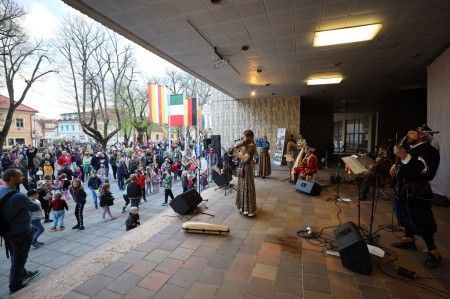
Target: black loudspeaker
<point>308,187</point>
<point>221,179</point>
<point>186,201</point>
<point>214,175</point>
<point>352,248</point>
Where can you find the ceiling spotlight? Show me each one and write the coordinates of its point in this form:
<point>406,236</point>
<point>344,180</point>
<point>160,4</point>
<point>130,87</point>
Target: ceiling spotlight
<point>245,48</point>
<point>215,1</point>
<point>253,91</point>
<point>267,84</point>
<point>259,70</point>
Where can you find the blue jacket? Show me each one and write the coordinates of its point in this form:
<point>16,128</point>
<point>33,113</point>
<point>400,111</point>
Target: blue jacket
<point>21,205</point>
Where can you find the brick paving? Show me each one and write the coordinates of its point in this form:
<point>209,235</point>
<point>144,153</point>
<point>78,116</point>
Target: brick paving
<point>262,257</point>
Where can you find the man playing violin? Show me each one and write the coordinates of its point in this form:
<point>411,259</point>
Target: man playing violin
<point>413,194</point>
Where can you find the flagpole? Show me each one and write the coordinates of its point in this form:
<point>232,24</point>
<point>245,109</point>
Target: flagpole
<point>185,120</point>
<point>198,127</point>
<point>170,139</point>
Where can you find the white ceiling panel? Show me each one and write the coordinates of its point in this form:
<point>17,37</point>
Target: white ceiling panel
<point>280,35</point>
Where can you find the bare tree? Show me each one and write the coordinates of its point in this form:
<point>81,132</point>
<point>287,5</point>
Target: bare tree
<point>97,62</point>
<point>19,58</point>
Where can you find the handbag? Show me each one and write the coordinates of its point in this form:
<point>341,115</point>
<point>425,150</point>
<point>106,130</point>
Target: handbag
<point>240,172</point>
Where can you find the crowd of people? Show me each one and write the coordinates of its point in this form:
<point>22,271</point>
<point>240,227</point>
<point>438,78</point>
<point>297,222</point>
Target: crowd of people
<point>58,179</point>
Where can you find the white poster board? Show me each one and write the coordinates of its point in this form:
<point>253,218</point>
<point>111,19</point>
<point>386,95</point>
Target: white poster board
<point>279,146</point>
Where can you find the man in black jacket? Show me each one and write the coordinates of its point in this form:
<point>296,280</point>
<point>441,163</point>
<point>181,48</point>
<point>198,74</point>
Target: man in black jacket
<point>16,211</point>
<point>413,194</point>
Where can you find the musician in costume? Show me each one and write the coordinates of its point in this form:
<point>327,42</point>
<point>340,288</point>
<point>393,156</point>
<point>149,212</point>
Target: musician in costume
<point>309,164</point>
<point>264,168</point>
<point>412,201</point>
<point>301,145</point>
<point>186,159</point>
<point>211,162</point>
<point>381,173</point>
<point>246,193</point>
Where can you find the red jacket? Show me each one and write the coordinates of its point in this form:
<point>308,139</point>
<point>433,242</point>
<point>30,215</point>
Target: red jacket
<point>141,180</point>
<point>64,159</point>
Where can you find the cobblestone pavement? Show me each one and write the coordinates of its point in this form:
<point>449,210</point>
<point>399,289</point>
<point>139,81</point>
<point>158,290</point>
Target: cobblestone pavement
<point>62,247</point>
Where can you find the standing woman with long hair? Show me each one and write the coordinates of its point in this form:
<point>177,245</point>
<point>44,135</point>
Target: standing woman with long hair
<point>246,193</point>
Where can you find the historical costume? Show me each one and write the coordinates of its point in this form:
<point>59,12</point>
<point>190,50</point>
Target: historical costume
<point>246,194</point>
<point>264,168</point>
<point>301,145</point>
<point>309,164</point>
<point>413,194</point>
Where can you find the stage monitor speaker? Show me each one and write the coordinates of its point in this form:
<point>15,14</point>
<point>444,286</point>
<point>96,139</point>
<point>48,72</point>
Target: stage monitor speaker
<point>352,248</point>
<point>186,201</point>
<point>221,180</point>
<point>308,187</point>
<point>214,175</point>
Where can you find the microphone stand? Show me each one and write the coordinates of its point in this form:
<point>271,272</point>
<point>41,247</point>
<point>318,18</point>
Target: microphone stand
<point>338,182</point>
<point>370,238</point>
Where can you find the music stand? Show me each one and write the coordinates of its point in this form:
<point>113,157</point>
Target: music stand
<point>338,182</point>
<point>226,185</point>
<point>289,159</point>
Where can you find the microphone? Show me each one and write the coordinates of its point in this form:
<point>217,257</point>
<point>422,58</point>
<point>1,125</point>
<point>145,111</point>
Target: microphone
<point>239,139</point>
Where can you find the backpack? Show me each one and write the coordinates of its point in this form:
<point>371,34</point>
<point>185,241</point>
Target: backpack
<point>4,225</point>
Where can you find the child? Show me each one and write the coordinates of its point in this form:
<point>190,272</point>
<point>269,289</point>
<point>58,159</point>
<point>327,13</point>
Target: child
<point>78,174</point>
<point>105,172</point>
<point>184,180</point>
<point>191,179</point>
<point>48,169</point>
<point>106,200</point>
<point>58,205</point>
<point>36,219</point>
<point>47,196</point>
<point>94,184</point>
<point>79,196</point>
<point>203,179</point>
<point>134,191</point>
<point>32,183</point>
<point>65,187</point>
<point>141,180</point>
<point>148,180</point>
<point>101,175</point>
<point>167,184</point>
<point>133,219</point>
<point>125,195</point>
<point>156,178</point>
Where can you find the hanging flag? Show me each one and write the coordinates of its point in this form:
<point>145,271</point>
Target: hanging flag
<point>206,120</point>
<point>199,118</point>
<point>190,115</point>
<point>176,110</point>
<point>157,104</point>
<point>188,112</point>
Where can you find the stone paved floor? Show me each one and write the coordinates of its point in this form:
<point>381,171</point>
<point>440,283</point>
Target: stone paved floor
<point>262,257</point>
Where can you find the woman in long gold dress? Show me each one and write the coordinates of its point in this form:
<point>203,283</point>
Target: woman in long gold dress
<point>246,193</point>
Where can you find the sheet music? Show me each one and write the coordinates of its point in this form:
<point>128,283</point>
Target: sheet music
<point>355,166</point>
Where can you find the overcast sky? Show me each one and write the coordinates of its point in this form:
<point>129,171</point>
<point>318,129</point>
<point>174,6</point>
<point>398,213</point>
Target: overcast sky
<point>41,22</point>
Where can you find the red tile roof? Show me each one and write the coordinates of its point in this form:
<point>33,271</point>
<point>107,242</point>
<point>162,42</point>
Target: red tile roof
<point>4,104</point>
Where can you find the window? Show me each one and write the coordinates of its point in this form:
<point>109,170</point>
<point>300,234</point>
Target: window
<point>356,137</point>
<point>157,136</point>
<point>62,128</point>
<point>73,127</point>
<point>11,141</point>
<point>19,123</point>
<point>67,127</point>
<point>20,141</point>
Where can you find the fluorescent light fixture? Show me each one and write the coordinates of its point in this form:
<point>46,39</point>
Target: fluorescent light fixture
<point>323,81</point>
<point>346,35</point>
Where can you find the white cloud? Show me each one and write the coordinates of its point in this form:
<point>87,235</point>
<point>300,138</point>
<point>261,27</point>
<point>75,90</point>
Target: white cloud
<point>40,22</point>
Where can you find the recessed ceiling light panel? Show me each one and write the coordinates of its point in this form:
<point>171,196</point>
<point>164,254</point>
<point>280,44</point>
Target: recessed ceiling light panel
<point>323,81</point>
<point>346,35</point>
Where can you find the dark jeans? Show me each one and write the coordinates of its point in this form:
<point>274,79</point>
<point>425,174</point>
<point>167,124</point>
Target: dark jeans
<point>121,180</point>
<point>79,213</point>
<point>38,229</point>
<point>167,193</point>
<point>127,201</point>
<point>114,168</point>
<point>18,246</point>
